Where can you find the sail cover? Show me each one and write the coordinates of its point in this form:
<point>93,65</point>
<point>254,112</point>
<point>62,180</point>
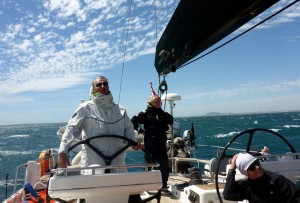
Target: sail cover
<point>198,24</point>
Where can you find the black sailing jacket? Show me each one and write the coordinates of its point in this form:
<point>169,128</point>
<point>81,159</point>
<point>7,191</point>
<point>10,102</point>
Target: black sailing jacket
<point>155,122</point>
<point>270,188</point>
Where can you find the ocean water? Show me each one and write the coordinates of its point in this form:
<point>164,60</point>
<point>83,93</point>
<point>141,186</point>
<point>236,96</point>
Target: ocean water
<point>20,143</point>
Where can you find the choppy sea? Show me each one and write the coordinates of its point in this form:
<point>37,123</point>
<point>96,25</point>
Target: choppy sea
<point>20,143</point>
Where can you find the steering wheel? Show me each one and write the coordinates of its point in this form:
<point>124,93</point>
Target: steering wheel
<point>250,133</point>
<point>108,159</point>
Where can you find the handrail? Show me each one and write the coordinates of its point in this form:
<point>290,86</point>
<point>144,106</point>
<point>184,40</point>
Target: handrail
<point>16,176</point>
<point>94,168</point>
<point>25,165</point>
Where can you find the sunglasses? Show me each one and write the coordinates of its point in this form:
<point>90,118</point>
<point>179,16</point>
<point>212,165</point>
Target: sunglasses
<point>252,167</point>
<point>100,84</point>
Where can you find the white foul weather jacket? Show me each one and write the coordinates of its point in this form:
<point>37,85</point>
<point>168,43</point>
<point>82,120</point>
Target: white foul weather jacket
<point>92,119</point>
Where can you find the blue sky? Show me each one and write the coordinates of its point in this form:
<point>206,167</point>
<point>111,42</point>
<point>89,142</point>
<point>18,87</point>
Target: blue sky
<point>51,50</point>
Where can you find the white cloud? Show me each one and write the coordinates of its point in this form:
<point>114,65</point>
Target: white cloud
<point>66,7</point>
<point>67,38</point>
<point>25,45</point>
<point>76,38</point>
<point>252,105</point>
<point>31,30</point>
<point>257,88</point>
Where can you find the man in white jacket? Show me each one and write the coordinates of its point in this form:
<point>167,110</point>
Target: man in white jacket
<point>98,116</point>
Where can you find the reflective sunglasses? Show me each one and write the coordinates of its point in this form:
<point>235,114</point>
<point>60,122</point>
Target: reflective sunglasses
<point>252,167</point>
<point>100,84</point>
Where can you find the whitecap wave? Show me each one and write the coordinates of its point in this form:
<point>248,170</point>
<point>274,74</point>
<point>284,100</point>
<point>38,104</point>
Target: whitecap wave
<point>230,134</point>
<point>291,126</point>
<point>275,130</point>
<point>17,136</point>
<point>10,182</point>
<point>9,153</point>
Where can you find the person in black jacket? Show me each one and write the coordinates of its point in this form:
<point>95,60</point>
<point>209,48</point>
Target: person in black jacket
<point>155,122</point>
<point>262,186</point>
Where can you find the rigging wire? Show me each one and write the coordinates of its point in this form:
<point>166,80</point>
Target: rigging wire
<point>155,21</point>
<point>156,40</point>
<point>159,76</point>
<point>125,49</point>
<point>234,38</point>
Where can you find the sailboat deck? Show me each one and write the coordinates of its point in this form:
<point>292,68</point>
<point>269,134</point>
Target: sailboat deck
<point>168,199</point>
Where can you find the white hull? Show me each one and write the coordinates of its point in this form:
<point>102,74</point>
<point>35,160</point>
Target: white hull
<point>95,186</point>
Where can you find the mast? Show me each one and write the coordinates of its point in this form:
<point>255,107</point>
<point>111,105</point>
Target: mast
<point>171,97</point>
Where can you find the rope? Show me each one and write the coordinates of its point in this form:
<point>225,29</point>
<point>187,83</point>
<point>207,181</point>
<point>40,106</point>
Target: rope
<point>284,8</point>
<point>125,49</point>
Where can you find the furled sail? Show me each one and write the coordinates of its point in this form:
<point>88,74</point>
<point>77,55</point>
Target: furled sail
<point>196,25</point>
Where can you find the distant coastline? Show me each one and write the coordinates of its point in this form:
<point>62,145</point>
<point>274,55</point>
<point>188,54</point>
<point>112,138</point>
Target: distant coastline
<point>246,113</point>
<point>240,113</point>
